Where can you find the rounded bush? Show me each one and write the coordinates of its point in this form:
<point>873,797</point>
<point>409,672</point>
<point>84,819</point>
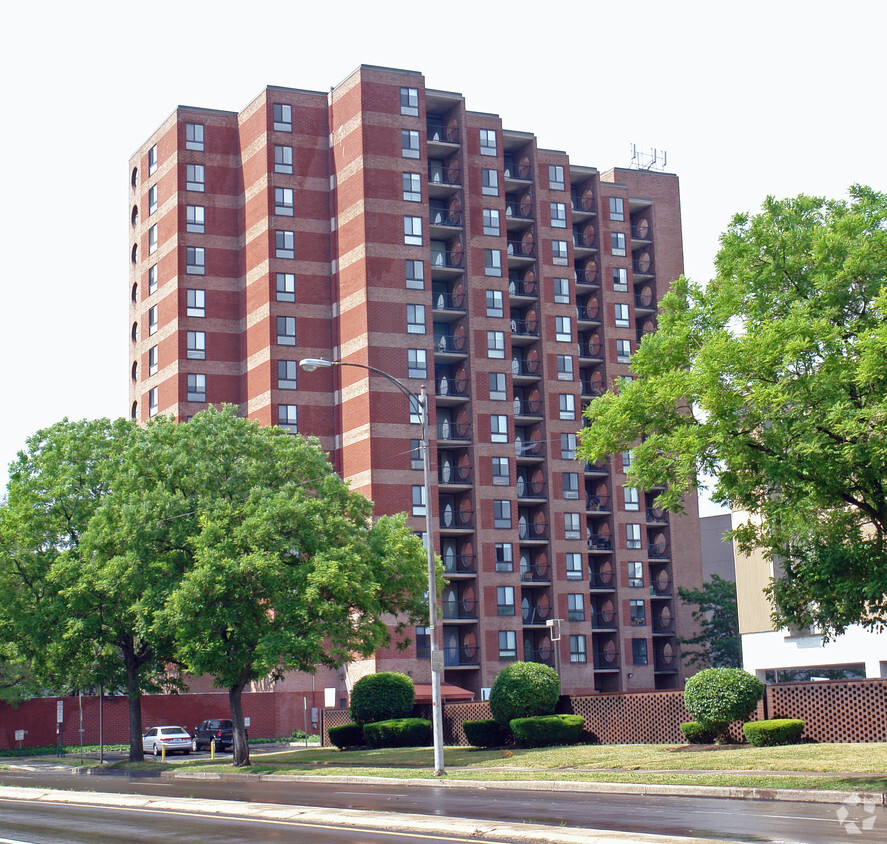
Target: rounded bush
<point>486,733</point>
<point>398,732</point>
<point>522,690</point>
<point>774,732</point>
<point>717,696</point>
<point>346,735</point>
<point>695,733</point>
<point>378,697</point>
<point>548,730</point>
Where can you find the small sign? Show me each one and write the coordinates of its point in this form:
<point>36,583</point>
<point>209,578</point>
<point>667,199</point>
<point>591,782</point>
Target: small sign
<point>19,735</point>
<point>246,722</point>
<point>59,711</point>
<point>437,661</point>
<point>329,697</point>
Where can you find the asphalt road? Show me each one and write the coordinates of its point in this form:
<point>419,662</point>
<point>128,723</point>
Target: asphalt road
<point>725,819</point>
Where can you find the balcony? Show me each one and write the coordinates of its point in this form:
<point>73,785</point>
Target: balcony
<point>543,655</point>
<point>522,289</point>
<point>518,212</point>
<point>523,250</point>
<point>641,233</point>
<point>460,564</point>
<point>529,408</point>
<point>600,543</point>
<point>445,216</point>
<point>524,331</point>
<point>456,520</point>
<point>659,551</point>
<point>583,204</point>
<point>588,313</point>
<point>643,266</point>
<point>447,260</point>
<point>459,610</point>
<point>517,170</point>
<point>645,302</point>
<point>603,620</point>
<point>449,431</point>
<point>451,390</point>
<point>531,531</point>
<point>528,451</point>
<point>663,626</point>
<point>600,468</point>
<point>666,663</point>
<point>584,240</point>
<point>657,516</point>
<point>602,579</point>
<point>591,351</point>
<point>526,369</point>
<point>586,275</point>
<point>527,489</point>
<point>606,660</point>
<point>448,305</point>
<point>442,140</point>
<point>443,180</point>
<point>461,656</point>
<point>661,587</point>
<point>449,475</point>
<point>450,346</point>
<point>535,573</point>
<point>597,503</point>
<point>535,615</point>
<point>591,389</point>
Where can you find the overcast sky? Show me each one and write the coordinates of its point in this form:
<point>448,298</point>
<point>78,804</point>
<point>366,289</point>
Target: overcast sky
<point>747,99</point>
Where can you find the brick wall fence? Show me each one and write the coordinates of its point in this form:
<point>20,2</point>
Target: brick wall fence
<point>833,711</point>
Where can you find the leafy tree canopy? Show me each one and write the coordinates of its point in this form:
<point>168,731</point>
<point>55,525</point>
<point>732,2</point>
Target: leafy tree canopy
<point>717,645</point>
<point>773,379</point>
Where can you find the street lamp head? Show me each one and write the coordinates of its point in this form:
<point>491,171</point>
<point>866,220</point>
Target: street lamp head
<point>310,364</point>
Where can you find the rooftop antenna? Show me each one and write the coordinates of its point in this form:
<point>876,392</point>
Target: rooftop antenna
<point>655,159</point>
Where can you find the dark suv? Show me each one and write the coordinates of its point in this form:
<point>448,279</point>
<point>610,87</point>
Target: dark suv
<point>219,729</point>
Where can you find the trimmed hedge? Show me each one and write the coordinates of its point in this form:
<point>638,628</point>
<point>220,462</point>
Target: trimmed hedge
<point>695,733</point>
<point>774,732</point>
<point>717,696</point>
<point>548,730</point>
<point>523,690</point>
<point>487,733</point>
<point>378,697</point>
<point>347,735</point>
<point>398,732</point>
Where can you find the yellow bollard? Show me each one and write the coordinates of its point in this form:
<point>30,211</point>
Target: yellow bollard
<point>162,752</point>
<point>212,749</point>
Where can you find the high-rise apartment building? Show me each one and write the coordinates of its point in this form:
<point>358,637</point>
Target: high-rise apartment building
<point>385,224</point>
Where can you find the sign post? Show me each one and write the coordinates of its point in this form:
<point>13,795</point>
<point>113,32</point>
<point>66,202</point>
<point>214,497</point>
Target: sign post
<point>59,720</point>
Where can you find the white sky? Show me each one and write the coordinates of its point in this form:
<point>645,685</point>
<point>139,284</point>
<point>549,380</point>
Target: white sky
<point>748,99</point>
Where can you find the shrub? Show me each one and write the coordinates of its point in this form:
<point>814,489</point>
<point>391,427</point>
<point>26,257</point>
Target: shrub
<point>487,733</point>
<point>296,735</point>
<point>347,735</point>
<point>717,696</point>
<point>548,730</point>
<point>695,733</point>
<point>773,732</point>
<point>378,697</point>
<point>522,690</point>
<point>398,732</point>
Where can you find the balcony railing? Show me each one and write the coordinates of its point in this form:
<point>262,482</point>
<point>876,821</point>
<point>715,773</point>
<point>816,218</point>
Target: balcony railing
<point>529,449</point>
<point>520,287</point>
<point>439,175</point>
<point>605,660</point>
<point>592,388</point>
<point>590,350</point>
<point>663,626</point>
<point>601,580</point>
<point>644,302</point>
<point>642,266</point>
<point>543,655</point>
<point>441,215</point>
<point>459,610</point>
<point>603,620</point>
<point>599,502</point>
<point>521,248</point>
<point>452,258</point>
<point>659,551</point>
<point>521,209</point>
<point>584,240</point>
<point>588,313</point>
<point>440,134</point>
<point>536,573</point>
<point>583,202</point>
<point>450,344</point>
<point>444,300</point>
<point>661,588</point>
<point>530,489</point>
<point>448,474</point>
<point>587,275</point>
<point>665,662</point>
<point>654,514</point>
<point>601,467</point>
<point>527,407</point>
<point>448,431</point>
<point>535,615</point>
<point>460,564</point>
<point>642,231</point>
<point>460,655</point>
<point>525,327</point>
<point>453,519</point>
<point>599,542</point>
<point>530,530</point>
<point>447,385</point>
<point>517,170</point>
<point>526,368</point>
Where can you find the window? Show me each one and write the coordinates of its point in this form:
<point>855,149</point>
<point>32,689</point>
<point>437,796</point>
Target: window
<point>563,329</point>
<point>498,428</point>
<point>562,291</point>
<point>571,485</point>
<point>194,136</point>
<point>195,303</point>
<point>196,387</point>
<point>635,574</point>
<point>195,177</point>
<point>283,117</point>
<point>491,222</point>
<point>571,526</point>
<point>416,363</point>
<point>555,177</point>
<point>501,474</point>
<point>564,368</point>
<point>575,607</point>
<point>489,182</point>
<point>504,557</point>
<point>287,372</point>
<point>637,612</point>
<point>623,351</point>
<point>412,231</point>
<point>416,459</point>
<point>152,239</point>
<point>286,330</point>
<point>283,159</point>
<point>574,566</point>
<point>152,160</point>
<point>620,280</point>
<point>627,460</point>
<point>415,319</point>
<point>497,386</point>
<point>617,209</point>
<point>558,215</point>
<point>409,102</point>
<point>633,536</point>
<point>152,199</point>
<point>409,143</point>
<point>639,651</point>
<point>412,187</point>
<point>559,252</point>
<point>567,406</point>
<point>577,648</point>
<point>423,643</point>
<point>415,275</point>
<point>286,287</point>
<point>196,345</point>
<point>495,306</point>
<point>492,262</point>
<point>617,243</point>
<point>418,500</point>
<point>505,600</point>
<point>507,644</point>
<point>152,279</point>
<point>152,320</point>
<point>501,513</point>
<point>195,260</point>
<point>568,446</point>
<point>621,312</point>
<point>288,417</point>
<point>152,401</point>
<point>496,344</point>
<point>152,360</point>
<point>487,141</point>
<point>630,496</point>
<point>416,414</point>
<point>283,201</point>
<point>284,244</point>
<point>195,219</point>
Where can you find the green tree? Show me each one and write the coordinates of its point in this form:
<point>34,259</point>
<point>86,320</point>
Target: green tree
<point>717,645</point>
<point>773,379</point>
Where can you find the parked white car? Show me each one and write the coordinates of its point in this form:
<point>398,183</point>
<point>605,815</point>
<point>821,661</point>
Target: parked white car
<point>174,739</point>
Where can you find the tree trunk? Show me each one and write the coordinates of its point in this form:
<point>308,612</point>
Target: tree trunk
<point>134,696</point>
<point>241,743</point>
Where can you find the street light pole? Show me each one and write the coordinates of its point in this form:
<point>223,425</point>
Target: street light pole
<point>437,657</point>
